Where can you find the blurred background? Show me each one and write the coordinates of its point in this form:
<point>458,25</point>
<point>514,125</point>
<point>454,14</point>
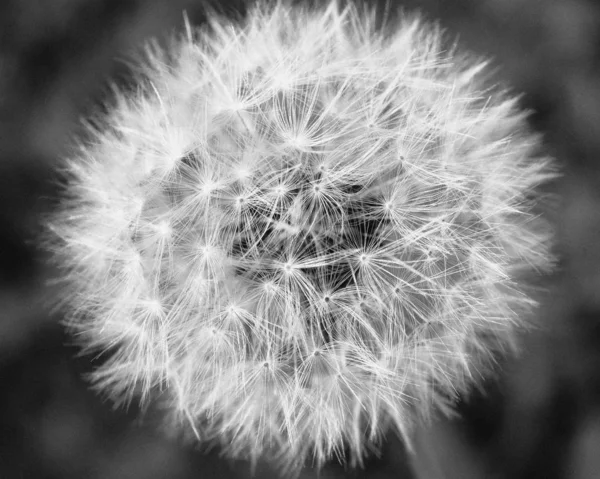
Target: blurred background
<point>539,419</point>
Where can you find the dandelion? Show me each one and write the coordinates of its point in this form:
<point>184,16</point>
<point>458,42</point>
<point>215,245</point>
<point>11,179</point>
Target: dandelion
<point>303,230</point>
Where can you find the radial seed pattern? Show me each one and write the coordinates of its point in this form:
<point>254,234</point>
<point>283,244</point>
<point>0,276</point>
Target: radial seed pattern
<point>302,229</point>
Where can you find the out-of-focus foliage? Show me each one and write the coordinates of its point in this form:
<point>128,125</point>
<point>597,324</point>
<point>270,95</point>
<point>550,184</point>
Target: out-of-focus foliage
<point>539,420</point>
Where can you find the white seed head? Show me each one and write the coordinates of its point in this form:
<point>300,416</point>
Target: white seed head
<point>302,230</point>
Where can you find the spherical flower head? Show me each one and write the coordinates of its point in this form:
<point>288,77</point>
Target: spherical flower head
<point>302,230</point>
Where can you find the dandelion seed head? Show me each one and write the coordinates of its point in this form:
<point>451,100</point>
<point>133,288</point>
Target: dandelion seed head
<point>304,231</point>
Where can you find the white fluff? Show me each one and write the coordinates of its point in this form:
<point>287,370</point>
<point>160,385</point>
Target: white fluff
<point>303,230</point>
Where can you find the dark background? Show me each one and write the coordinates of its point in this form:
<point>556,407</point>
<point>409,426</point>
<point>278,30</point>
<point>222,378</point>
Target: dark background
<point>539,419</point>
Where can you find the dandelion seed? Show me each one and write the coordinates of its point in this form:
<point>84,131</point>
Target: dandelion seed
<point>306,232</point>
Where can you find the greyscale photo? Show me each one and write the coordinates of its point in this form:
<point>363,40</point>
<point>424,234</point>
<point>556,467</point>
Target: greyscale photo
<point>299,239</point>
